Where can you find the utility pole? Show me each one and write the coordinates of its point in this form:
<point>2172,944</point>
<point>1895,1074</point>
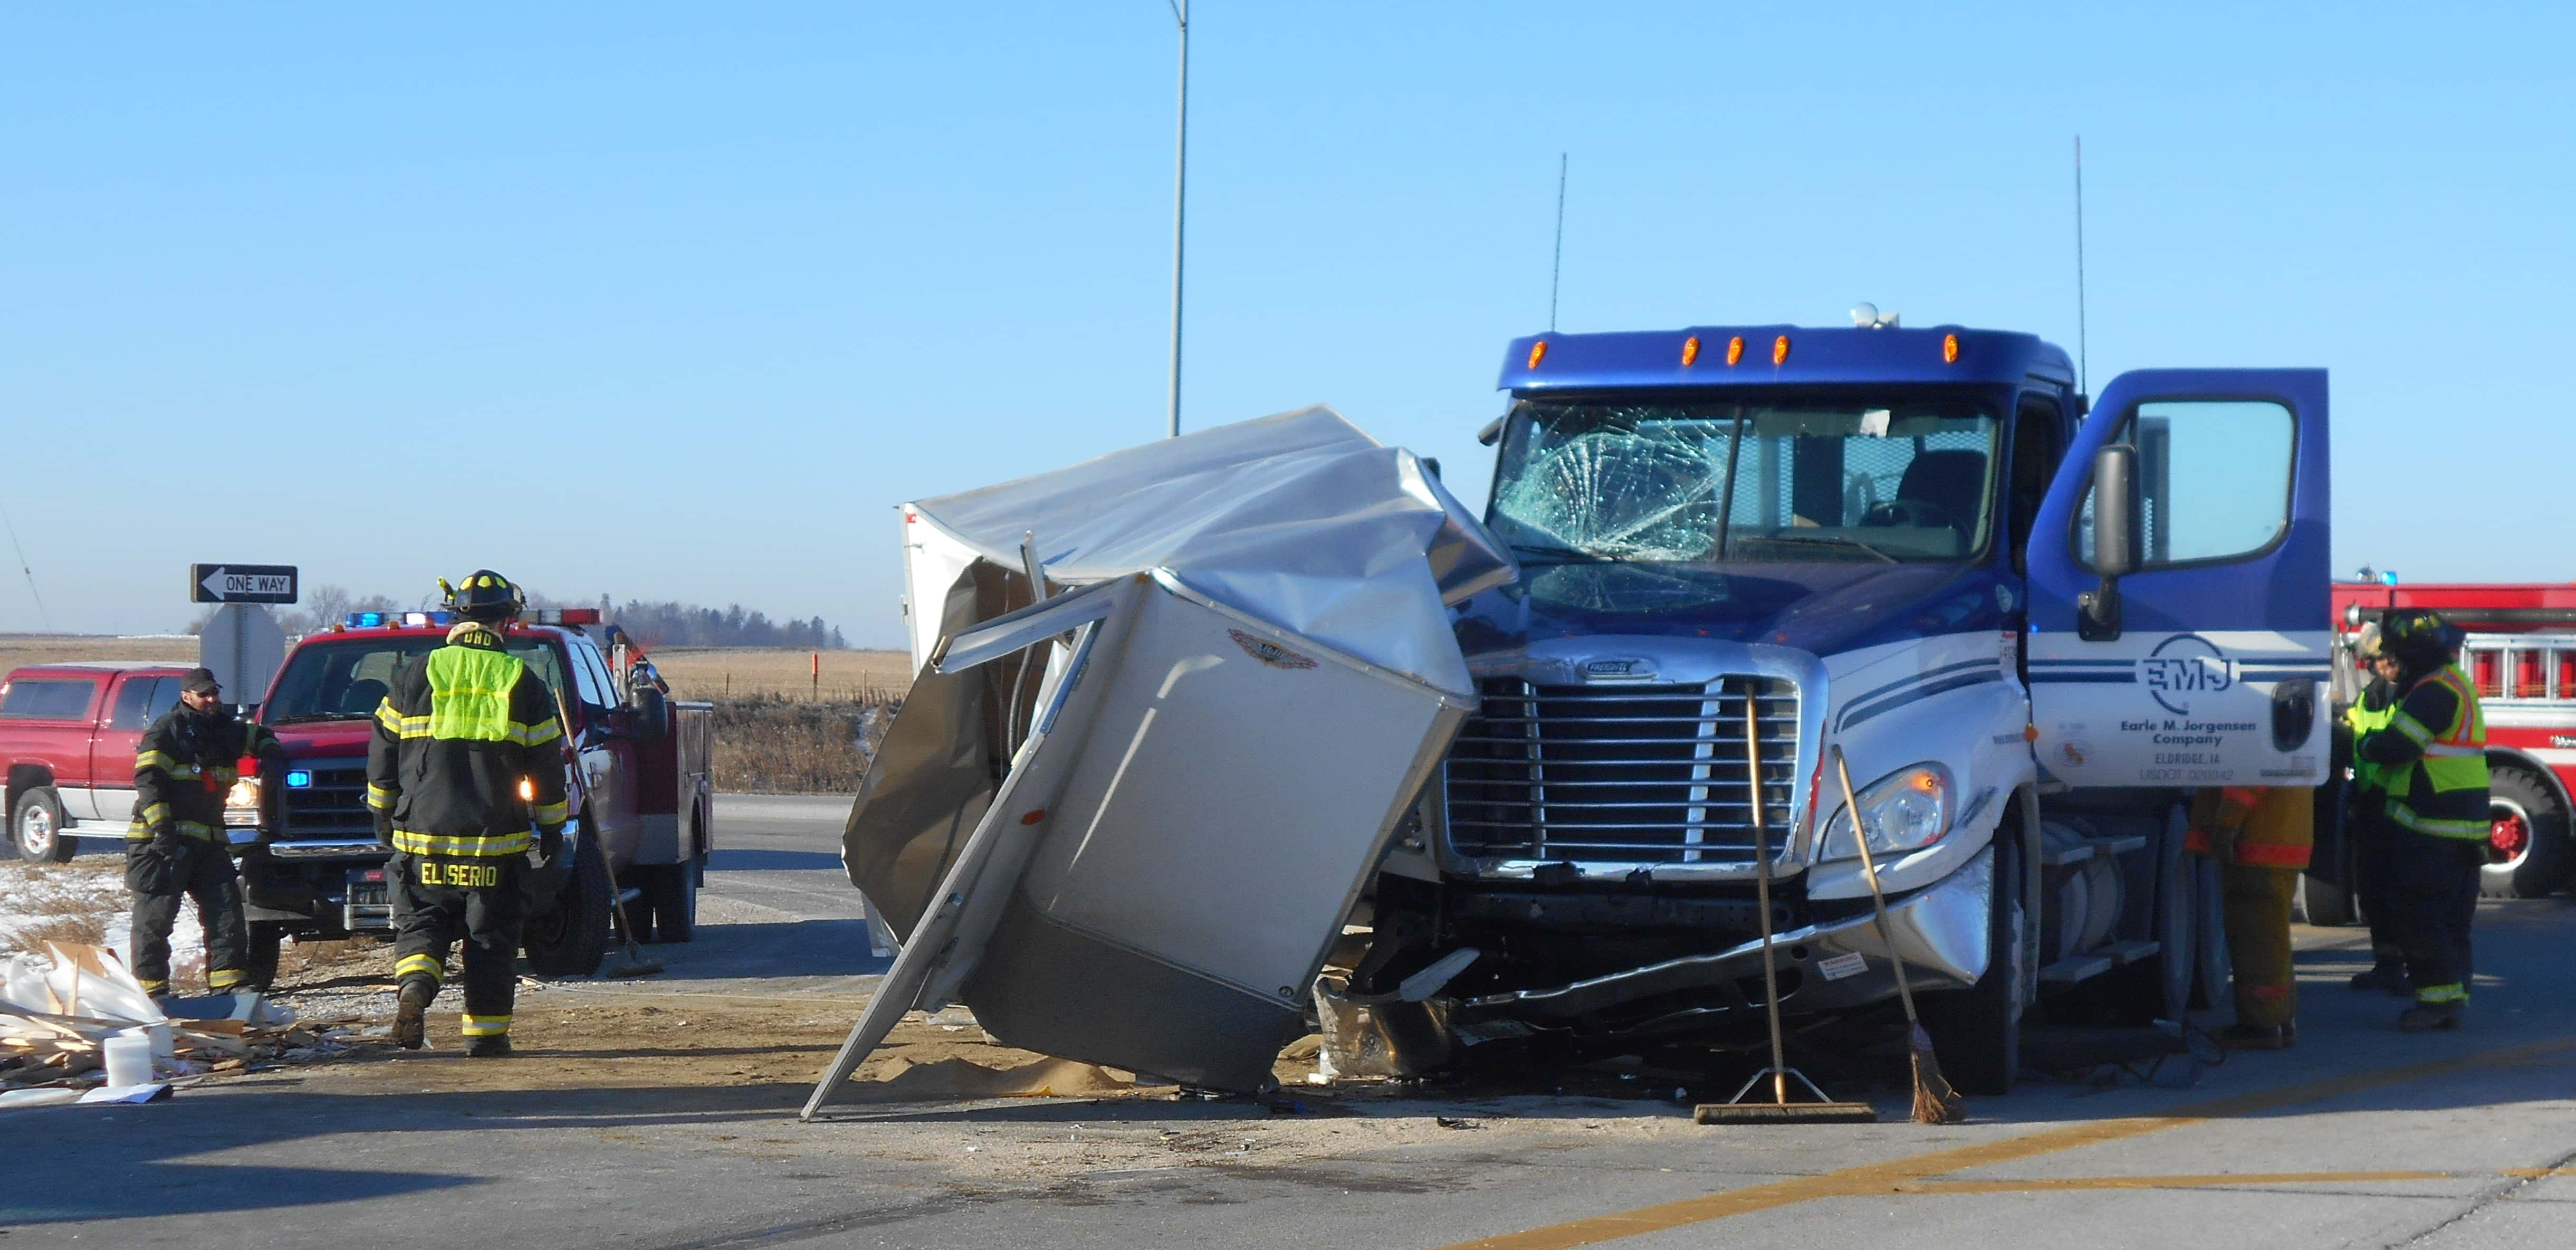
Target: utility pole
<point>1180,203</point>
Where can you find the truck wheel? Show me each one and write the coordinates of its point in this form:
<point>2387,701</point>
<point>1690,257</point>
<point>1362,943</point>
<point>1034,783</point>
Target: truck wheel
<point>2212,971</point>
<point>36,827</point>
<point>572,939</point>
<point>2529,850</point>
<point>2325,902</point>
<point>266,938</point>
<point>671,891</point>
<point>1977,1031</point>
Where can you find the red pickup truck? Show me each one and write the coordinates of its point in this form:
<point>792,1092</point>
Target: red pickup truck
<point>636,773</point>
<point>67,733</point>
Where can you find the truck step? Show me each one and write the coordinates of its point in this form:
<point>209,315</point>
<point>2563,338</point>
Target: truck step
<point>2095,962</point>
<point>2076,968</point>
<point>2091,848</point>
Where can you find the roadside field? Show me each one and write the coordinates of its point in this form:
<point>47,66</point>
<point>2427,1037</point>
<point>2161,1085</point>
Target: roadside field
<point>777,672</point>
<point>18,649</point>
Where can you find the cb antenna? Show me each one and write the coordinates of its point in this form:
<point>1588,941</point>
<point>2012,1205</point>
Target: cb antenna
<point>2083,377</point>
<point>1556,267</point>
<point>46,618</point>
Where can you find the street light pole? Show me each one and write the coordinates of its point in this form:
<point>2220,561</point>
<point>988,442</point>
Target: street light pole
<point>1180,201</point>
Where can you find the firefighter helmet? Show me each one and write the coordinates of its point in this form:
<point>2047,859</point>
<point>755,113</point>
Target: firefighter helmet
<point>486,596</point>
<point>2418,639</point>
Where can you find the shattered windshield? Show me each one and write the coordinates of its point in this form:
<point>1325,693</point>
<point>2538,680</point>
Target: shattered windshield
<point>1794,480</point>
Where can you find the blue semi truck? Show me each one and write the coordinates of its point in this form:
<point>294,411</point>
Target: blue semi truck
<point>2032,623</point>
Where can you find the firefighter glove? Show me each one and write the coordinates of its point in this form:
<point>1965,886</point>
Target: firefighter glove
<point>385,828</point>
<point>550,843</point>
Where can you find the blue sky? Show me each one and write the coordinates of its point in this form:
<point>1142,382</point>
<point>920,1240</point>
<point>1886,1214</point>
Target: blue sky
<point>678,301</point>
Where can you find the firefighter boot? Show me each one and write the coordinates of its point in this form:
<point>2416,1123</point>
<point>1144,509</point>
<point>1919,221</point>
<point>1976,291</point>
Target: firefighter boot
<point>2427,1017</point>
<point>409,1031</point>
<point>488,1046</point>
<point>2387,978</point>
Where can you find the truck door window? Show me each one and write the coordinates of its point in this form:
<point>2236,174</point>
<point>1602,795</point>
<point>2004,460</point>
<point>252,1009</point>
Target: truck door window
<point>139,702</point>
<point>2213,480</point>
<point>2035,449</point>
<point>47,698</point>
<point>600,673</point>
<point>585,677</point>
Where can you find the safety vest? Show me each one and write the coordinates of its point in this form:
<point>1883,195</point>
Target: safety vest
<point>2445,792</point>
<point>2365,721</point>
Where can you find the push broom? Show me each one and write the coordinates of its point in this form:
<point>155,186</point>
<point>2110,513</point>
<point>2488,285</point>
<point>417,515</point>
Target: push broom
<point>1779,1110</point>
<point>1934,1101</point>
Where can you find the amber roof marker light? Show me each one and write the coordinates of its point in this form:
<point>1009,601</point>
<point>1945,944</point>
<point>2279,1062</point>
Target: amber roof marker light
<point>1735,351</point>
<point>1538,352</point>
<point>1780,350</point>
<point>1949,349</point>
<point>1690,351</point>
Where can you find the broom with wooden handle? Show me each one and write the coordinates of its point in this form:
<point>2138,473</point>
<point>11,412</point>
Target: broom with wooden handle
<point>1934,1101</point>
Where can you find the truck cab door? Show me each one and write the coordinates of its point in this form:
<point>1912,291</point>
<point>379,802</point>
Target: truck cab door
<point>2208,664</point>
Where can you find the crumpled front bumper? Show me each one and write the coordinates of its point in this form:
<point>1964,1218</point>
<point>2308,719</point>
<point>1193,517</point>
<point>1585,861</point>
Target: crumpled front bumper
<point>1941,931</point>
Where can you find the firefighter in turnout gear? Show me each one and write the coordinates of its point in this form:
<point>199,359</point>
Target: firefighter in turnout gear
<point>2260,837</point>
<point>467,760</point>
<point>2432,760</point>
<point>184,766</point>
<point>2366,818</point>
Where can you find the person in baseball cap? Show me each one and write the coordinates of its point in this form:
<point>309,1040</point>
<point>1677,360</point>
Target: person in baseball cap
<point>175,847</point>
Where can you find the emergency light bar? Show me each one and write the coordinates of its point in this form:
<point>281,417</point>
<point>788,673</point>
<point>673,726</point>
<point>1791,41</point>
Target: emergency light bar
<point>443,618</point>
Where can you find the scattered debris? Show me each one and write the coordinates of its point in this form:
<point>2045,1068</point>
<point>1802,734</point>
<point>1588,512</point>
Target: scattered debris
<point>1455,1122</point>
<point>57,1019</point>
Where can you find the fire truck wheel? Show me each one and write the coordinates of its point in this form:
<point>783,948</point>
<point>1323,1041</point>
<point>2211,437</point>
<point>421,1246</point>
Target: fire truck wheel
<point>570,939</point>
<point>266,939</point>
<point>1977,1031</point>
<point>36,828</point>
<point>2529,850</point>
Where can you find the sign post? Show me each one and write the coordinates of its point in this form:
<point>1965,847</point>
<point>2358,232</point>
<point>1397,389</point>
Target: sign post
<point>242,644</point>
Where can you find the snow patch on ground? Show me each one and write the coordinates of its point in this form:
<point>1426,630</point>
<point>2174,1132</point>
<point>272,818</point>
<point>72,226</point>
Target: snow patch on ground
<point>35,898</point>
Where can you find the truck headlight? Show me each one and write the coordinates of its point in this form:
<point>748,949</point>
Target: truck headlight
<point>241,803</point>
<point>1906,810</point>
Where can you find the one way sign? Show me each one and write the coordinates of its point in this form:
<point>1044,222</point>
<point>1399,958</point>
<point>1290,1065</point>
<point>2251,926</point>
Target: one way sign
<point>241,583</point>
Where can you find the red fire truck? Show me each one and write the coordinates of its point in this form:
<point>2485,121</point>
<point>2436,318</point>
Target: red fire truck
<point>2521,653</point>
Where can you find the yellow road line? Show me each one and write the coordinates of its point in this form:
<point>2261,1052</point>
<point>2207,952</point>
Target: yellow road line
<point>1896,1175</point>
<point>2211,1180</point>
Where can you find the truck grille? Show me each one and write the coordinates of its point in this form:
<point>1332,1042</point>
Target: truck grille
<point>1624,775</point>
<point>334,806</point>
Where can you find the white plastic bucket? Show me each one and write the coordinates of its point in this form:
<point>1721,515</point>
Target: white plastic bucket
<point>129,1059</point>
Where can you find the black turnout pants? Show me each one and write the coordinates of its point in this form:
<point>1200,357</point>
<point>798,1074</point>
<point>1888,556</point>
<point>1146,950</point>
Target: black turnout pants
<point>160,874</point>
<point>2373,838</point>
<point>2433,889</point>
<point>438,900</point>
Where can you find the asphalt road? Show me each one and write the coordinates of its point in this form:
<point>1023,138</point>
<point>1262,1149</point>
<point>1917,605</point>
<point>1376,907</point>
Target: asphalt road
<point>2360,1137</point>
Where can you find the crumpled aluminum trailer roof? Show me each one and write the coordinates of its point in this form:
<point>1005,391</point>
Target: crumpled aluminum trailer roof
<point>1217,669</point>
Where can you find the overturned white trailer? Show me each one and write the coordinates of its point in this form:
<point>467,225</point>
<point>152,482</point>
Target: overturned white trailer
<point>1171,705</point>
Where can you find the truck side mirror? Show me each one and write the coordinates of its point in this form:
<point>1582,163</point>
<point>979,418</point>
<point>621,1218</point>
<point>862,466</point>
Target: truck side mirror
<point>2115,540</point>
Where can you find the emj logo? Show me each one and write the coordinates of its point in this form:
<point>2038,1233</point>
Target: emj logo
<point>2185,665</point>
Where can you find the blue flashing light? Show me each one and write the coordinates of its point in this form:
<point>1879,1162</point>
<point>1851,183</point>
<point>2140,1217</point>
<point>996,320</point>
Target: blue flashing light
<point>2388,578</point>
<point>366,620</point>
<point>299,780</point>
